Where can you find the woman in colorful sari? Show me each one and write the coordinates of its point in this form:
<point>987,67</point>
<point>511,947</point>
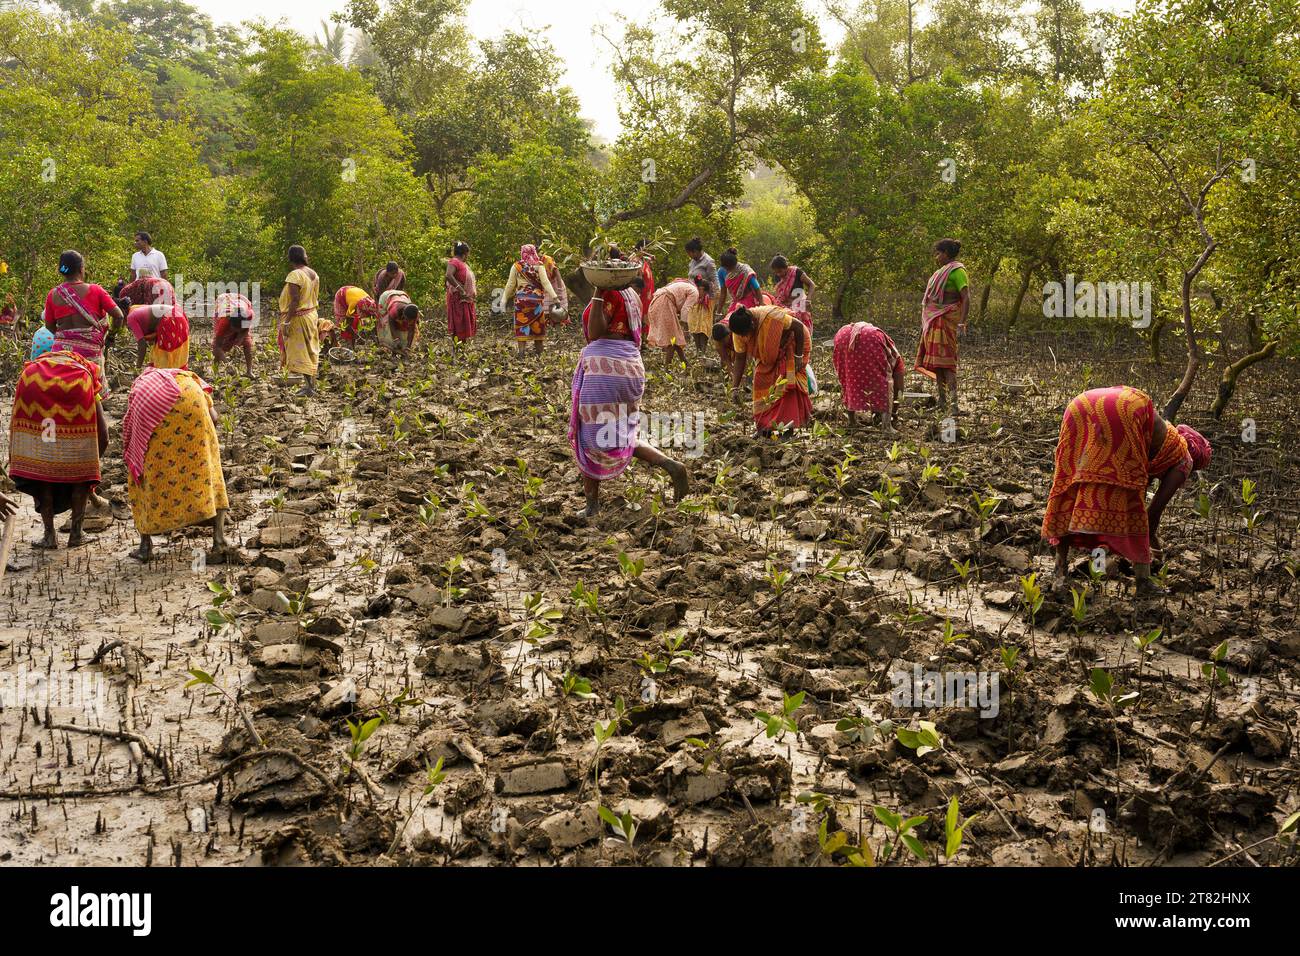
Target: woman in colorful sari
<point>794,289</point>
<point>704,273</point>
<point>740,286</point>
<point>647,261</point>
<point>722,344</point>
<point>943,316</point>
<point>779,346</point>
<point>299,336</point>
<point>391,276</point>
<point>173,460</point>
<point>605,409</point>
<point>399,321</point>
<point>352,304</point>
<point>75,312</point>
<point>145,291</point>
<point>9,316</point>
<point>56,436</point>
<point>234,319</point>
<point>462,290</point>
<point>670,307</point>
<point>1113,442</point>
<point>870,369</point>
<point>42,342</point>
<point>530,286</point>
<point>162,334</point>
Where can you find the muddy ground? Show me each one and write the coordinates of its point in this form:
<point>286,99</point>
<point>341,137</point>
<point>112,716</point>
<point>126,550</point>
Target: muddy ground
<point>413,551</point>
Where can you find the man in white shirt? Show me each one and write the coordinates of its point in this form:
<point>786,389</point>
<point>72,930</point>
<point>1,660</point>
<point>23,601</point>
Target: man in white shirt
<point>146,260</point>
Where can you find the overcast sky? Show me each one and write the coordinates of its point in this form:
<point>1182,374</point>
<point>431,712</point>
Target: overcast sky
<point>567,23</point>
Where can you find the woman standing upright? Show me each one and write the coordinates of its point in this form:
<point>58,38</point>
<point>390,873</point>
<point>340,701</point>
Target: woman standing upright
<point>794,289</point>
<point>530,286</point>
<point>943,316</point>
<point>605,409</point>
<point>75,312</point>
<point>740,284</point>
<point>299,323</point>
<point>462,290</point>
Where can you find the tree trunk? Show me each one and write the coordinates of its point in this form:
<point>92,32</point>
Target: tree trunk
<point>1025,278</point>
<point>988,287</point>
<point>1157,328</point>
<point>1228,384</point>
<point>837,309</point>
<point>1194,353</point>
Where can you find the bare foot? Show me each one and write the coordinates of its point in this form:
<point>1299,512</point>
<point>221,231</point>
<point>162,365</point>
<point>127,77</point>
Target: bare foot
<point>78,539</point>
<point>141,555</point>
<point>224,554</point>
<point>1145,588</point>
<point>48,543</point>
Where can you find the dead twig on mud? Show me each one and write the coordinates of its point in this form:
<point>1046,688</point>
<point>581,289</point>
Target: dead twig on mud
<point>125,736</point>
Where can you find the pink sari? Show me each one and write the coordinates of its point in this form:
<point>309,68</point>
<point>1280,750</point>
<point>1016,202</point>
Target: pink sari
<point>462,315</point>
<point>785,296</point>
<point>865,360</point>
<point>739,290</point>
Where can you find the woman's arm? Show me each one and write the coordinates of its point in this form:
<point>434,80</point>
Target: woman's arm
<point>546,283</point>
<point>802,345</point>
<point>509,290</point>
<point>101,426</point>
<point>1170,482</point>
<point>597,324</point>
<point>738,365</point>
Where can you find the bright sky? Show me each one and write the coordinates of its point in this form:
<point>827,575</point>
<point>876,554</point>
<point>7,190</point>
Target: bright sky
<point>567,23</point>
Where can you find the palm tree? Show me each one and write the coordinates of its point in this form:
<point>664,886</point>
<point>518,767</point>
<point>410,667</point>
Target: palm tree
<point>332,43</point>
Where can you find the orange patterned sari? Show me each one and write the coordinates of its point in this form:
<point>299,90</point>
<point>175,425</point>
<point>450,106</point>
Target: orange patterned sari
<point>780,391</point>
<point>1103,466</point>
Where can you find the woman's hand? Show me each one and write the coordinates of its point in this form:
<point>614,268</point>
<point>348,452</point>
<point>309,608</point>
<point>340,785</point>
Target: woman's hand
<point>8,507</point>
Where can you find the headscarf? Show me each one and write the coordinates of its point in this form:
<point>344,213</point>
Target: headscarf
<point>529,257</point>
<point>1197,447</point>
<point>42,342</point>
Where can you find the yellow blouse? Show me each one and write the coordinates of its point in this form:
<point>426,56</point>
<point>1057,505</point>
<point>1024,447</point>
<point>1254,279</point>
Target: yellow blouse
<point>308,284</point>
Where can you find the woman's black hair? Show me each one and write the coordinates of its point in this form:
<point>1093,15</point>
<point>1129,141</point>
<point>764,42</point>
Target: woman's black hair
<point>460,249</point>
<point>742,321</point>
<point>71,263</point>
<point>411,312</point>
<point>641,244</point>
<point>391,266</point>
<point>616,253</point>
<point>694,244</point>
<point>720,332</point>
<point>728,259</point>
<point>949,247</point>
<point>298,255</point>
<point>779,262</point>
<point>123,303</point>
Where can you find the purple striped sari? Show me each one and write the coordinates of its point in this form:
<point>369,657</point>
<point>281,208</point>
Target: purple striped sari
<point>604,414</point>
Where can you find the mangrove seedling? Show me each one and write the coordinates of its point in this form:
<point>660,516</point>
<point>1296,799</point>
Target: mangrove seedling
<point>777,725</point>
<point>952,833</point>
<point>624,826</point>
<point>901,831</point>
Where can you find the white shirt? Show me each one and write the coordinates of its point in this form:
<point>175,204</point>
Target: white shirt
<point>151,263</point>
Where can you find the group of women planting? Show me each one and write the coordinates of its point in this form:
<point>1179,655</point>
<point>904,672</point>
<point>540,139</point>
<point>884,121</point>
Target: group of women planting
<point>58,432</point>
<point>1113,443</point>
